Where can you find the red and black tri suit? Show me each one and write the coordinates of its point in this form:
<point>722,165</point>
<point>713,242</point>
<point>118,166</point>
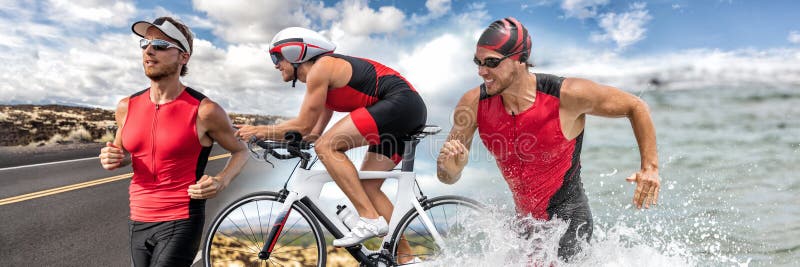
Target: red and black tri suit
<point>166,225</point>
<point>541,166</point>
<point>383,105</point>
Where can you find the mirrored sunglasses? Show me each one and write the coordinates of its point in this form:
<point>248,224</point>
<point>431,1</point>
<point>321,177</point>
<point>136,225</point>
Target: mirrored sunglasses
<point>158,44</point>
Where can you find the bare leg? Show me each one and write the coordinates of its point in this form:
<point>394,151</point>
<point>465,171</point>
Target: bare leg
<point>330,148</point>
<point>378,162</point>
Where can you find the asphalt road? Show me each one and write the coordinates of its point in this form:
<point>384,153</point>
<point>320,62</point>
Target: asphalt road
<point>86,226</point>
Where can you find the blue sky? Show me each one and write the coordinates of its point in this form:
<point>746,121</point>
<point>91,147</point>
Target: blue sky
<point>83,53</point>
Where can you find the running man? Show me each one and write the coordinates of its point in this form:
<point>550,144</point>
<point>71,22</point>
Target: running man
<point>168,130</point>
<point>382,107</point>
<point>533,124</point>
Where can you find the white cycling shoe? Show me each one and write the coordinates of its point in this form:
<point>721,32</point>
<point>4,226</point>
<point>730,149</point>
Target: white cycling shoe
<point>364,229</point>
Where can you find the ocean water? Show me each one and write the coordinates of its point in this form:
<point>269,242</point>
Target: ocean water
<point>729,170</point>
<point>729,158</point>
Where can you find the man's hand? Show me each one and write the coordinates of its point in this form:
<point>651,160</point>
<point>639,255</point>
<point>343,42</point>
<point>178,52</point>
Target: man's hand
<point>451,161</point>
<point>111,156</point>
<point>647,187</point>
<point>247,131</point>
<point>206,187</point>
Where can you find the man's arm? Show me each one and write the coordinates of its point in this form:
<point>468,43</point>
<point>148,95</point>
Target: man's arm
<point>113,155</point>
<point>322,122</point>
<point>218,126</point>
<point>317,82</point>
<point>455,152</point>
<point>580,96</point>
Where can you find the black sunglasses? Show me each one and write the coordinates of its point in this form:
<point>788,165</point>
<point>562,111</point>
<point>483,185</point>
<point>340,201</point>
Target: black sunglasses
<point>158,44</point>
<point>276,57</point>
<point>492,62</point>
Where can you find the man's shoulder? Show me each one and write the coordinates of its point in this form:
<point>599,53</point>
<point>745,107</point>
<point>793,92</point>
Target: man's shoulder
<point>208,108</point>
<point>472,96</point>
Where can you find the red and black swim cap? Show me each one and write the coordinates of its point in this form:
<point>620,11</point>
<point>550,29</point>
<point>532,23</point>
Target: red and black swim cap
<point>507,36</point>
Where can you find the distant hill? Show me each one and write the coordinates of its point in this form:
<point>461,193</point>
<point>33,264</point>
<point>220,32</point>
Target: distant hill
<point>38,125</point>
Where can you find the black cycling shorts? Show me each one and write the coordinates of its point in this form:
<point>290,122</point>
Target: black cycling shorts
<point>171,243</point>
<point>386,122</point>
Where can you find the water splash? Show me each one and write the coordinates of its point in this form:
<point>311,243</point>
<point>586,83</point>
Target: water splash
<point>619,244</point>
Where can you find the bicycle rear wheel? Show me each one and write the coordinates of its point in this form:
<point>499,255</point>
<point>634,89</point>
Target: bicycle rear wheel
<point>238,234</point>
<point>453,217</point>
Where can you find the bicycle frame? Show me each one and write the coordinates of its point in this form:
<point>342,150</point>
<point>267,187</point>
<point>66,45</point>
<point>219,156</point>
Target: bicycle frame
<point>306,186</point>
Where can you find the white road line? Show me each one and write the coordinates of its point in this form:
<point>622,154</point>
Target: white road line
<point>49,163</point>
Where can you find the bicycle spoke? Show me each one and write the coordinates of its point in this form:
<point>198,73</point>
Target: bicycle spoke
<point>275,263</point>
<point>271,208</point>
<point>446,215</point>
<point>293,224</point>
<point>248,223</point>
<point>420,234</point>
<point>228,260</point>
<point>299,242</point>
<point>422,244</point>
<point>289,251</point>
<point>260,225</point>
<point>239,250</point>
<point>240,230</point>
<point>433,220</point>
<point>446,221</point>
<point>285,245</point>
<point>237,241</point>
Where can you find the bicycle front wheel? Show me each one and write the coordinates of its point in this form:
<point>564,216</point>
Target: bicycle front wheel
<point>238,234</point>
<point>453,218</point>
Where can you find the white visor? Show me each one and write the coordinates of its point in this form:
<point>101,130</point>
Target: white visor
<point>140,28</point>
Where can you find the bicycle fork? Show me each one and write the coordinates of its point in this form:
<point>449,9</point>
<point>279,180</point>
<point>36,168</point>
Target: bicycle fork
<point>280,222</point>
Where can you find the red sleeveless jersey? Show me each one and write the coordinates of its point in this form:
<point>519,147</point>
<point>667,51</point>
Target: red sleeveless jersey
<point>166,154</point>
<point>370,81</point>
<point>536,160</point>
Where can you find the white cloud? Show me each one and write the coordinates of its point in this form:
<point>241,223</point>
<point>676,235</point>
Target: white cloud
<point>242,21</point>
<point>441,70</point>
<point>360,19</point>
<point>794,37</point>
<point>582,9</point>
<point>74,74</point>
<point>626,28</point>
<point>76,12</point>
<point>438,7</point>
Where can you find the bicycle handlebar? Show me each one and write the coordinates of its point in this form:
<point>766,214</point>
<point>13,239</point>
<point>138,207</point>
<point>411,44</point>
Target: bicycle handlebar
<point>294,146</point>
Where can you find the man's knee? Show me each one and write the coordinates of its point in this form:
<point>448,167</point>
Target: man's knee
<point>327,146</point>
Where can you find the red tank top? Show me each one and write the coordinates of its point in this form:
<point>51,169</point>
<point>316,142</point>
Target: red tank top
<point>369,82</point>
<point>167,156</point>
<point>531,151</point>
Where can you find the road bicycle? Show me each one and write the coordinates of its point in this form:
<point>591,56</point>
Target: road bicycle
<point>283,228</point>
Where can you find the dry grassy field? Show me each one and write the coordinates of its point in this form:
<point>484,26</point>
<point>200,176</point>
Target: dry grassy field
<point>40,125</point>
<point>236,252</point>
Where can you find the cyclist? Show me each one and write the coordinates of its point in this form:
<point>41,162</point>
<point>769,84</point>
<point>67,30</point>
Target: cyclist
<point>382,107</point>
<point>533,124</point>
<point>168,130</point>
